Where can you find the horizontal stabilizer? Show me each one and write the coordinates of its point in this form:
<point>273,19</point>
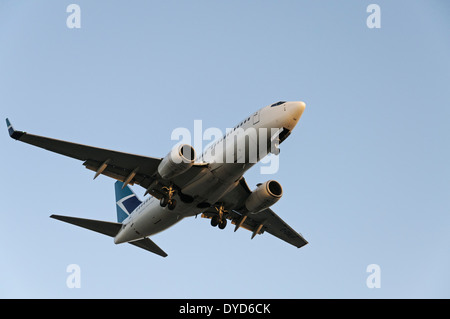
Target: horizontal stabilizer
<point>149,245</point>
<point>102,227</point>
<point>110,229</point>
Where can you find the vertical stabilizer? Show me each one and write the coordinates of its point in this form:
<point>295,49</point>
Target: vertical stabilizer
<point>126,201</point>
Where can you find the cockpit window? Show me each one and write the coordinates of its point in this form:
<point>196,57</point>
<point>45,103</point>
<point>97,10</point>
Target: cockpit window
<point>278,103</point>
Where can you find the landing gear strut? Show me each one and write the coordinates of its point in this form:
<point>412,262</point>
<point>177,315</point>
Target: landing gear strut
<point>219,220</point>
<point>168,200</point>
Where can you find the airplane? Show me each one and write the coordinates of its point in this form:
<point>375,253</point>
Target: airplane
<point>183,185</point>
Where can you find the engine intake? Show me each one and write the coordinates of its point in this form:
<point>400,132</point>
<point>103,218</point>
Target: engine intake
<point>178,161</point>
<point>264,196</point>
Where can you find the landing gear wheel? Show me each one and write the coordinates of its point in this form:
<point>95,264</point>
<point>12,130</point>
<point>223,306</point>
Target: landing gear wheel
<point>163,201</point>
<point>172,204</point>
<point>223,224</point>
<point>214,221</point>
<point>168,198</point>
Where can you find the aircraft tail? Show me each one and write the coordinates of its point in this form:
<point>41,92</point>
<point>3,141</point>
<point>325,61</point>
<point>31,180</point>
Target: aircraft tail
<point>110,229</point>
<point>126,201</point>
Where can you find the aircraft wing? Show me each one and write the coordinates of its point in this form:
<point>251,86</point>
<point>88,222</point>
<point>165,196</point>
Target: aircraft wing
<point>257,223</point>
<point>267,220</point>
<point>125,167</point>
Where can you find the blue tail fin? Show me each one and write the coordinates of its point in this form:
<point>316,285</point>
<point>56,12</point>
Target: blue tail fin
<point>126,201</point>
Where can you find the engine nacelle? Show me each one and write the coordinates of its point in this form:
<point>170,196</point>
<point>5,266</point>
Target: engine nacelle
<point>264,196</point>
<point>178,161</point>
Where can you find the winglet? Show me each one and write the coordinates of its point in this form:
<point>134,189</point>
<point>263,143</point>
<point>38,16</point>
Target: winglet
<point>10,127</point>
<point>13,133</point>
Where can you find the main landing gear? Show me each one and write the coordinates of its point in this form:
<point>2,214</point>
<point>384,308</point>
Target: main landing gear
<point>219,219</point>
<point>168,199</point>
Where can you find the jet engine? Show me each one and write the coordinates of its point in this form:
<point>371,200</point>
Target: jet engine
<point>178,161</point>
<point>264,196</point>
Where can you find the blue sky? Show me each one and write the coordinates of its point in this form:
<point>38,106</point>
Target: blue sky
<point>365,173</point>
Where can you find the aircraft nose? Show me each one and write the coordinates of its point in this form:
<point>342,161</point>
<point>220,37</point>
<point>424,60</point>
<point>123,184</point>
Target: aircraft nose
<point>292,114</point>
<point>296,109</point>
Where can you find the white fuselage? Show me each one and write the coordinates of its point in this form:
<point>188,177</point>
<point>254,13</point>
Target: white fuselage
<point>229,158</point>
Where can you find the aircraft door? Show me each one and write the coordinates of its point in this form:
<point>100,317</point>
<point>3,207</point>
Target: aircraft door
<point>256,117</point>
